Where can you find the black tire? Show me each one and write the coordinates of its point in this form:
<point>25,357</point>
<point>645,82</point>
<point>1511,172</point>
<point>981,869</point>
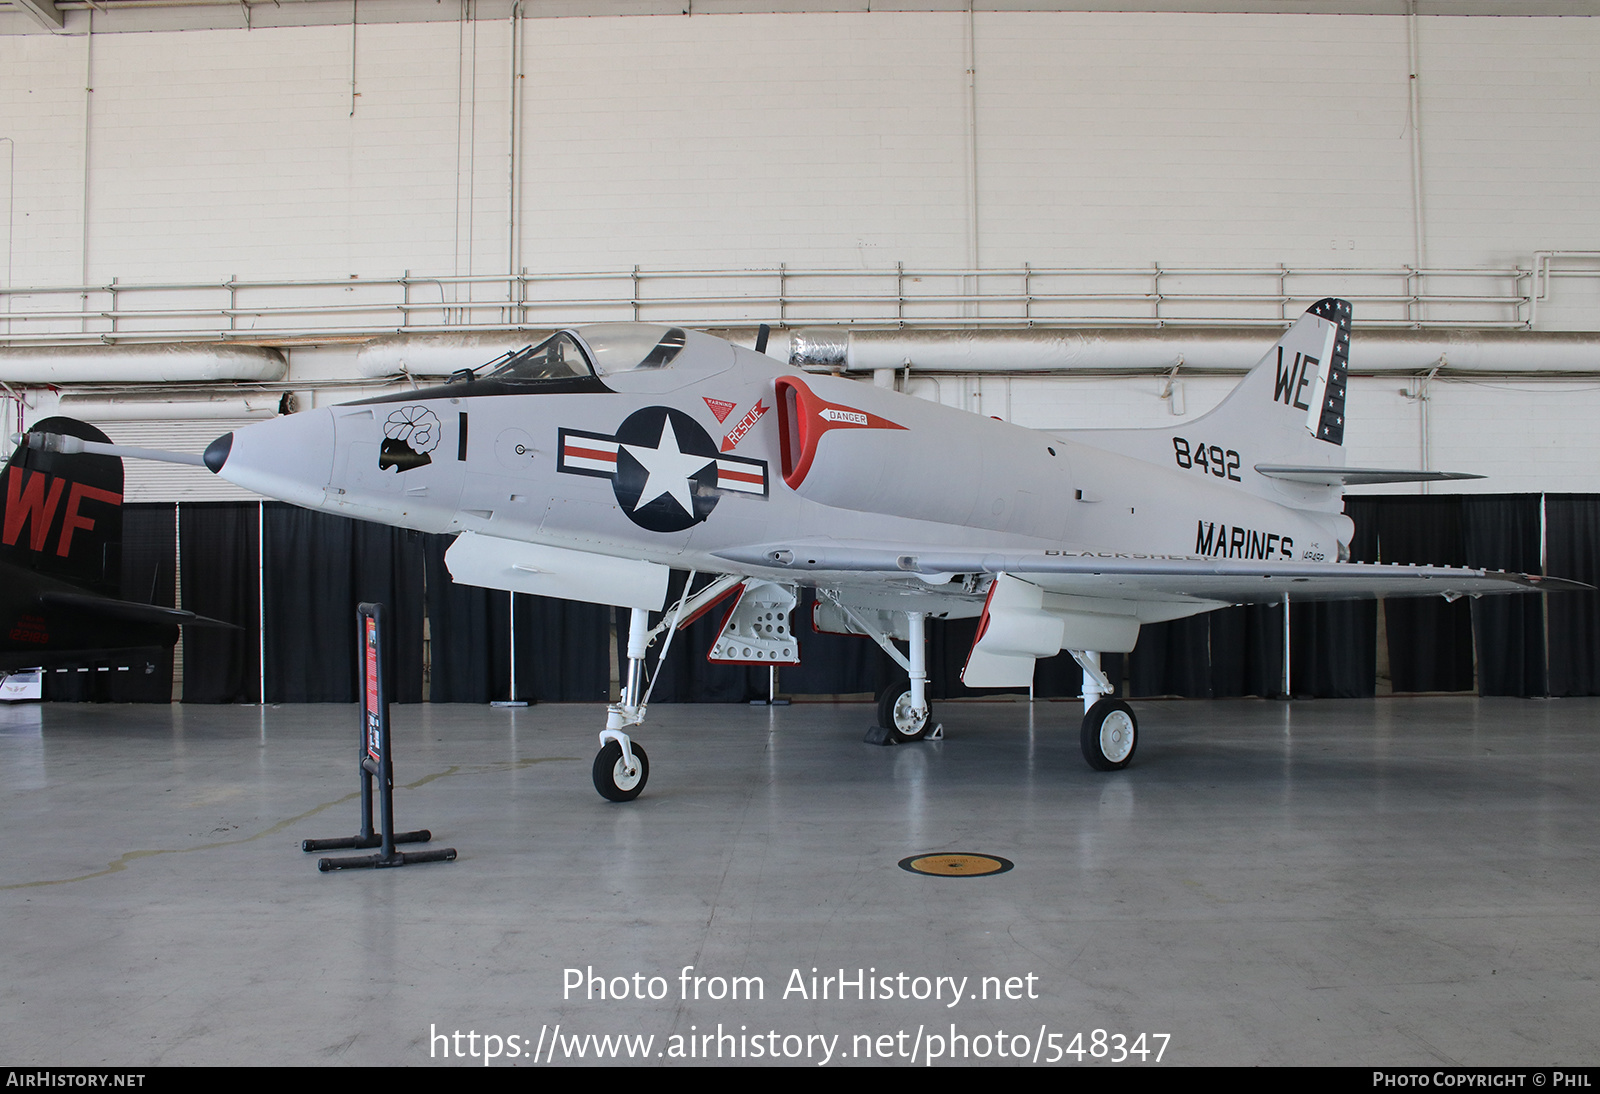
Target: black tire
<point>611,781</point>
<point>893,703</point>
<point>1109,736</point>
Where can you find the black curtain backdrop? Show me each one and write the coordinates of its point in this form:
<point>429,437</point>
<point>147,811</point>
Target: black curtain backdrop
<point>1333,646</point>
<point>1172,658</point>
<point>469,631</point>
<point>1430,641</point>
<point>1246,648</point>
<point>1502,533</point>
<point>563,648</point>
<point>319,567</point>
<point>1572,539</point>
<point>149,576</point>
<point>218,570</point>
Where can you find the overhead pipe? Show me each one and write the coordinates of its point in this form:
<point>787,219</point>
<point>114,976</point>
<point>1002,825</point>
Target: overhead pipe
<point>437,354</point>
<point>100,409</point>
<point>144,363</point>
<point>1197,349</point>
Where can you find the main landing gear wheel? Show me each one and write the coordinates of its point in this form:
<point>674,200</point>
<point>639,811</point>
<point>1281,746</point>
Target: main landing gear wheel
<point>895,712</point>
<point>612,777</point>
<point>1110,732</point>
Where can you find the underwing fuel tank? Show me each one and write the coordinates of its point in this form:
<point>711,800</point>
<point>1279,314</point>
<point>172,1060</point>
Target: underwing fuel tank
<point>848,445</point>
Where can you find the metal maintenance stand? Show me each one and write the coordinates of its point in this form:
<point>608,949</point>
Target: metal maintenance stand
<point>376,758</point>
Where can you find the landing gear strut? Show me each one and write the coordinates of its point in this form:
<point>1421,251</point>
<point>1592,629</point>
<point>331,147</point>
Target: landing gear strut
<point>620,769</point>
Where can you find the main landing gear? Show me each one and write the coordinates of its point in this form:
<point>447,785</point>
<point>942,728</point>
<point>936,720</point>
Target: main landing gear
<point>898,710</point>
<point>1110,731</point>
<point>903,706</point>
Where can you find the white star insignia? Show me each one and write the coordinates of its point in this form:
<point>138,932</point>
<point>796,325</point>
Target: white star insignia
<point>669,469</point>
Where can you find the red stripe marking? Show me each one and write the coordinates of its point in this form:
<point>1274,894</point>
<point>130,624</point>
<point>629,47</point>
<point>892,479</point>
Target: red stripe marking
<point>590,453</point>
<point>740,476</point>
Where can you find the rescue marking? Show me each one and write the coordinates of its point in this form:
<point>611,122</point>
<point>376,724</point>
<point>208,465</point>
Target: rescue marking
<point>736,434</point>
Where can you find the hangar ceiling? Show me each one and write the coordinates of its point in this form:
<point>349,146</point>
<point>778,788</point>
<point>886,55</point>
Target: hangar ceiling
<point>45,16</point>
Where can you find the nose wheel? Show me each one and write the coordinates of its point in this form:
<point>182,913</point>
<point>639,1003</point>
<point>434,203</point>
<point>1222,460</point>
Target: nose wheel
<point>1110,732</point>
<point>615,778</point>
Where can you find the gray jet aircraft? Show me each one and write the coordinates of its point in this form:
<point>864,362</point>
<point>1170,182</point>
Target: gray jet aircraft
<point>589,466</point>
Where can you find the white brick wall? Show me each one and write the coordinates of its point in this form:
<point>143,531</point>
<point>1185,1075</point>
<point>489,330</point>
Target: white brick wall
<point>1119,139</point>
<point>816,140</point>
<point>743,141</point>
<point>41,110</point>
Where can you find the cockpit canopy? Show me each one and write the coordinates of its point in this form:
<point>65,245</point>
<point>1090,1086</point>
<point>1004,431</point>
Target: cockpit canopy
<point>556,358</point>
<point>604,349</point>
<point>630,347</point>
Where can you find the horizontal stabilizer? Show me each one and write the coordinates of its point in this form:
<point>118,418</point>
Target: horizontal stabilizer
<point>128,610</point>
<point>1354,476</point>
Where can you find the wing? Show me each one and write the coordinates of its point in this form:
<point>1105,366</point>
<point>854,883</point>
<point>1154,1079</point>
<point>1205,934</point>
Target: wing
<point>1166,579</point>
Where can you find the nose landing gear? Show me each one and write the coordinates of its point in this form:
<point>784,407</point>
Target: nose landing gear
<point>619,775</point>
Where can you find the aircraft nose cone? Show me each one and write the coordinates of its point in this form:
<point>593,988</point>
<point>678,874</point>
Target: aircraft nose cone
<point>217,452</point>
<point>290,457</point>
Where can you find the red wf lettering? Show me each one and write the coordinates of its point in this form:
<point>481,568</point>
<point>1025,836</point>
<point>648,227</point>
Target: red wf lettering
<point>32,501</point>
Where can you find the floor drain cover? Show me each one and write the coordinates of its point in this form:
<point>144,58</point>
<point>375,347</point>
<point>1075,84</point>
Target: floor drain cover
<point>956,864</point>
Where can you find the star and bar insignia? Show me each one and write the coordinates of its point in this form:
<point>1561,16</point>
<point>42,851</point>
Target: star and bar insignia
<point>664,468</point>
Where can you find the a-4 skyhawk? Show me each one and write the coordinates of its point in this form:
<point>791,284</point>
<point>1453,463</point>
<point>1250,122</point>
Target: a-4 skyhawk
<point>591,465</point>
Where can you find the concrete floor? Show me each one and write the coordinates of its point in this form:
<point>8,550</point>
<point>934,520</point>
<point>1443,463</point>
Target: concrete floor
<point>1401,881</point>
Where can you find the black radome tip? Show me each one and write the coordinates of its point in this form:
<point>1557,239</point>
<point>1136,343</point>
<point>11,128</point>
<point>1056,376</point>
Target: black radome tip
<point>217,452</point>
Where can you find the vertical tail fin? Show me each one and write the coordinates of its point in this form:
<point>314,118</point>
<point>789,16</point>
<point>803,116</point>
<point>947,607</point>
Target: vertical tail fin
<point>61,513</point>
<point>1290,407</point>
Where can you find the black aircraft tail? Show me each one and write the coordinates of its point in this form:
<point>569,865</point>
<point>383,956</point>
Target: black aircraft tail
<point>61,513</point>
